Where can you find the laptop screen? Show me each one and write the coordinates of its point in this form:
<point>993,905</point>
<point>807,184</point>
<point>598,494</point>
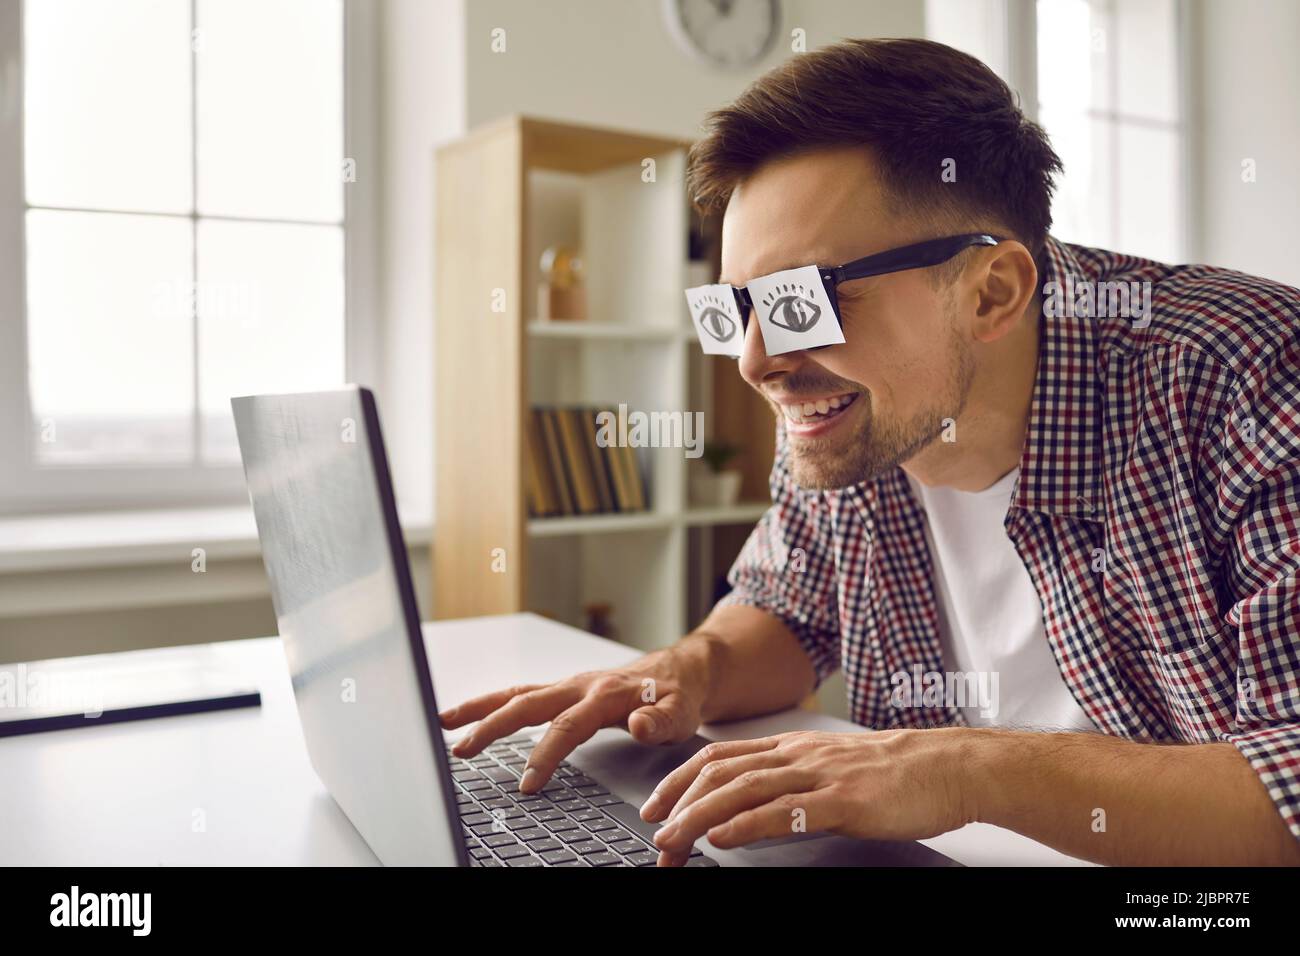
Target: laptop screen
<point>319,483</point>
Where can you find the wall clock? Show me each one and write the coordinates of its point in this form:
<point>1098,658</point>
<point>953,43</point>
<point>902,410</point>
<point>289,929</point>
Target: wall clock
<point>724,33</point>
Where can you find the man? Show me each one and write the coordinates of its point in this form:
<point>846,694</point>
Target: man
<point>1069,473</point>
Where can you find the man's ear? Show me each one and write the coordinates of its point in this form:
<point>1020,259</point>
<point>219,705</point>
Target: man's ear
<point>1005,280</point>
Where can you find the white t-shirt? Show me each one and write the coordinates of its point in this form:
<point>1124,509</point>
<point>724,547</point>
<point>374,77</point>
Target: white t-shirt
<point>990,618</point>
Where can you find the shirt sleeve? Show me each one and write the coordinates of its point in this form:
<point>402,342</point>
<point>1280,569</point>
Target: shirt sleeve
<point>787,567</point>
<point>1261,477</point>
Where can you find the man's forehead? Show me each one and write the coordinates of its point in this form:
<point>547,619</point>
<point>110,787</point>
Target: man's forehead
<point>820,209</point>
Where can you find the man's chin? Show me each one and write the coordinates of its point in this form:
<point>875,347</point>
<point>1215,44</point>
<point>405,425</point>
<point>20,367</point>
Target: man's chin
<point>816,467</point>
<point>824,471</point>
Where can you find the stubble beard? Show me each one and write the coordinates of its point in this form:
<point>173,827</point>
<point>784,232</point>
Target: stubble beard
<point>878,445</point>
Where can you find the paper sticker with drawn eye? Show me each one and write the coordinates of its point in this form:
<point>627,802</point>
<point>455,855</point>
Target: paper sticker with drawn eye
<point>716,319</point>
<point>793,311</point>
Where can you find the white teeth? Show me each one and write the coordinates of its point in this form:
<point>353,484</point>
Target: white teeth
<point>799,414</point>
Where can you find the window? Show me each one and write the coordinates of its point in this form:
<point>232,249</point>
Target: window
<point>182,238</point>
<point>1104,78</point>
<point>1109,98</point>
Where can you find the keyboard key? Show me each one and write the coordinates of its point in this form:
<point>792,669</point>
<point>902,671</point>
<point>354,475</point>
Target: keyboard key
<point>525,861</point>
<point>543,846</point>
<point>599,824</point>
<point>559,821</point>
<point>572,806</point>
<point>644,858</point>
<point>591,791</point>
<point>480,853</point>
<point>500,775</point>
<point>521,822</point>
<point>605,800</point>
<point>591,813</point>
<point>474,819</point>
<point>626,846</point>
<point>557,857</point>
<point>588,847</point>
<point>499,839</point>
<point>531,834</point>
<point>573,836</point>
<point>604,859</point>
<point>511,851</point>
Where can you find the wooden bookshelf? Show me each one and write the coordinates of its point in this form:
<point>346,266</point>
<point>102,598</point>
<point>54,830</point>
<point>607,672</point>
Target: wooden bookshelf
<point>504,193</point>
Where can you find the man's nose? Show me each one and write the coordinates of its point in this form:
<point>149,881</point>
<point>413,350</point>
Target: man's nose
<point>756,366</point>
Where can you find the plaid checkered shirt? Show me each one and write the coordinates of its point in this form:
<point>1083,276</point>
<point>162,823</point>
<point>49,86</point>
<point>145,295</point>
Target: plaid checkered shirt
<point>1157,512</point>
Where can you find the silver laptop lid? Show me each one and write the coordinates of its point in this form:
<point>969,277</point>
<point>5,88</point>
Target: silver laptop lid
<point>326,518</point>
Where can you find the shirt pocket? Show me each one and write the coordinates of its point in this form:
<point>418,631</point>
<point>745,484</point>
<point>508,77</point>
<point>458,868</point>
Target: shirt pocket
<point>1198,686</point>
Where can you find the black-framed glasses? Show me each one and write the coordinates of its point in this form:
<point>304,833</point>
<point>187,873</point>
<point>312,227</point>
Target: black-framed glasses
<point>798,308</point>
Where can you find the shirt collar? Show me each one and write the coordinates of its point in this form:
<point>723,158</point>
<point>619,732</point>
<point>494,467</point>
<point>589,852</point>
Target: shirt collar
<point>1062,452</point>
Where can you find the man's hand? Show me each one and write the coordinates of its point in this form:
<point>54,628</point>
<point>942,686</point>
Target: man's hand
<point>887,785</point>
<point>658,699</point>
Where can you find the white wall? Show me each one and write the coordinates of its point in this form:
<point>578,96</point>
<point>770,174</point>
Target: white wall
<point>1247,105</point>
<point>422,104</point>
<point>615,64</point>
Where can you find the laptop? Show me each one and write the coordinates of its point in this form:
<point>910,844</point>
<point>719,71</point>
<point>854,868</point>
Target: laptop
<point>326,517</point>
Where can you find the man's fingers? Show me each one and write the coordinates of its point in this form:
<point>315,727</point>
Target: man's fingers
<point>534,707</point>
<point>719,773</point>
<point>665,721</point>
<point>751,789</point>
<point>479,707</point>
<point>810,812</point>
<point>573,727</point>
<point>672,787</point>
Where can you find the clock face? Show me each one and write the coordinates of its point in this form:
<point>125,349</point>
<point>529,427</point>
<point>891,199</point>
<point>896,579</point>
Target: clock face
<point>726,33</point>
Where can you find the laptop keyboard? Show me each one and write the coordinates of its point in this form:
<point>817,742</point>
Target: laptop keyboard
<point>572,821</point>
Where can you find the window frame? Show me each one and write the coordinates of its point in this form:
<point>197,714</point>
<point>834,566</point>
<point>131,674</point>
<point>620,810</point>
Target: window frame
<point>25,486</point>
<point>1182,129</point>
<point>1012,52</point>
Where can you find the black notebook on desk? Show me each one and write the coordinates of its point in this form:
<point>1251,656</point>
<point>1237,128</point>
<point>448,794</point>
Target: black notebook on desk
<point>101,689</point>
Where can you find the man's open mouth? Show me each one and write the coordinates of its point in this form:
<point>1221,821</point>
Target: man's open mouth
<point>823,409</point>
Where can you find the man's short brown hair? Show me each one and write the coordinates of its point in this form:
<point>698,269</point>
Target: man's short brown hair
<point>915,104</point>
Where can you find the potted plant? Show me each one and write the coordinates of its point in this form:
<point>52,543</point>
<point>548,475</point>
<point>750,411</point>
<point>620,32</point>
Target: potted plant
<point>716,487</point>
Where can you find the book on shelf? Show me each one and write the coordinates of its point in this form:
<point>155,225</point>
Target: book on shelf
<point>569,471</point>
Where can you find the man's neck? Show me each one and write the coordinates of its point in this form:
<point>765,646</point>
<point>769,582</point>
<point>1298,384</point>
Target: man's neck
<point>988,436</point>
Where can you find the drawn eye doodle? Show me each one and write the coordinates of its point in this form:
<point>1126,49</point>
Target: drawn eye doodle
<point>794,310</point>
<point>718,324</point>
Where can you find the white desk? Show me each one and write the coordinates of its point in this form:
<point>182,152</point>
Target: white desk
<point>135,794</point>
